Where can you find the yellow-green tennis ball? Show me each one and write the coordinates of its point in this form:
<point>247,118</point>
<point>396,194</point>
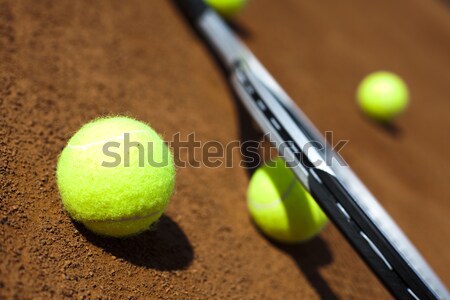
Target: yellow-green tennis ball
<point>116,176</point>
<point>383,95</point>
<point>281,207</point>
<point>227,8</point>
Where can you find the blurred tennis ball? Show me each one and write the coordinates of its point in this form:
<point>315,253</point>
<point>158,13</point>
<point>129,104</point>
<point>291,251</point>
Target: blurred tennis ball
<point>383,95</point>
<point>226,8</point>
<point>122,199</point>
<point>281,207</point>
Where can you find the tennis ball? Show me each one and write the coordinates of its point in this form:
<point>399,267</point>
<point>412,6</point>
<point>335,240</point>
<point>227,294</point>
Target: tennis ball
<point>281,207</point>
<point>116,176</point>
<point>383,95</point>
<point>226,8</point>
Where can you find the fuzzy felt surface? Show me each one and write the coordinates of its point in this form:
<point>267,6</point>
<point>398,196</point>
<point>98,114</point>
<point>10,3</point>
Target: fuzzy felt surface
<point>281,207</point>
<point>227,8</point>
<point>383,95</point>
<point>100,178</point>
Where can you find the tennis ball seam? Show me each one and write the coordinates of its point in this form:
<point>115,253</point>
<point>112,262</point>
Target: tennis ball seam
<point>273,203</point>
<point>114,138</point>
<point>281,207</point>
<point>134,218</point>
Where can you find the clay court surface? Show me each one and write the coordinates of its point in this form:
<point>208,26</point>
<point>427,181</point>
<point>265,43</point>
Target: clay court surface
<point>63,63</point>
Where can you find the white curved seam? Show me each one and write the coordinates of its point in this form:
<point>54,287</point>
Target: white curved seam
<point>259,206</point>
<point>125,219</point>
<point>119,137</point>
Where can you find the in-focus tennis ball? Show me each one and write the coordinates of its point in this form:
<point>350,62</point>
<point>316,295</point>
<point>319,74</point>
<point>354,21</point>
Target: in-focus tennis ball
<point>383,95</point>
<point>227,8</point>
<point>116,176</point>
<point>281,207</point>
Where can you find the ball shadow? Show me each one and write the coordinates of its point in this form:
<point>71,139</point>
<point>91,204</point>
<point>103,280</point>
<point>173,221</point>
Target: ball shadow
<point>165,247</point>
<point>310,256</point>
<point>389,127</point>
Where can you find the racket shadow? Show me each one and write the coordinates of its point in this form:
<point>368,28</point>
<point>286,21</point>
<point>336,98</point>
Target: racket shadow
<point>309,256</point>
